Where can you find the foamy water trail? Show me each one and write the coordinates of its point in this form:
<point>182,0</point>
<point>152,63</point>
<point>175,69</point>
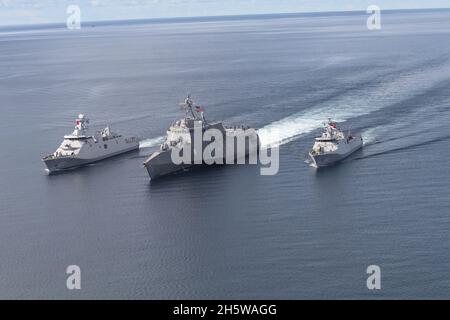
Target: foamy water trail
<point>359,103</point>
<point>417,127</point>
<point>369,136</point>
<point>153,142</point>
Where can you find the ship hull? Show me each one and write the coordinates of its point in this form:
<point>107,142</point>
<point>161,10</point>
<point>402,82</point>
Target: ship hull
<point>71,162</point>
<point>160,163</point>
<point>328,159</point>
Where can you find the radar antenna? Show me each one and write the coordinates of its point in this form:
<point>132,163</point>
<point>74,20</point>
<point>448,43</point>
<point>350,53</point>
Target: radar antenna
<point>187,106</point>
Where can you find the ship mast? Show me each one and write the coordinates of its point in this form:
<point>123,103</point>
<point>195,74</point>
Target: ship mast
<point>81,125</point>
<point>188,107</point>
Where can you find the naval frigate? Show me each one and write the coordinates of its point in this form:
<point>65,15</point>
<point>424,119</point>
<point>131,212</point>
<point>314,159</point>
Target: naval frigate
<point>181,136</point>
<point>80,147</point>
<point>333,145</point>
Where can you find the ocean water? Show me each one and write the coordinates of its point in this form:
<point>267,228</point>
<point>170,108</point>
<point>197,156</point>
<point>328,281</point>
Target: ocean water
<point>229,232</point>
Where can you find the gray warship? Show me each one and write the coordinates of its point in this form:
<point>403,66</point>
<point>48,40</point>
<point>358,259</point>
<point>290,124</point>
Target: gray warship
<point>80,147</point>
<point>180,137</point>
<point>334,145</point>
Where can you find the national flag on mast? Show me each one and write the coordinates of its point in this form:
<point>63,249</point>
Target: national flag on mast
<point>199,109</point>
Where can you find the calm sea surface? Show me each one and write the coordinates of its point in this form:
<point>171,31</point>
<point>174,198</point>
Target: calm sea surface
<point>229,232</point>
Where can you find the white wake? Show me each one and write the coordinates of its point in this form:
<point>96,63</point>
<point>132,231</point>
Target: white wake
<point>153,142</point>
<point>361,102</point>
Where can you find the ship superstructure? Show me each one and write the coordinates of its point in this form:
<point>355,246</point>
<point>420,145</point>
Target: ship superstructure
<point>333,145</point>
<point>80,147</point>
<point>181,135</point>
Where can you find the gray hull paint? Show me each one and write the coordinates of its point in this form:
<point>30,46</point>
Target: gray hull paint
<point>158,170</point>
<point>328,159</point>
<point>324,160</point>
<point>64,163</point>
<point>161,164</point>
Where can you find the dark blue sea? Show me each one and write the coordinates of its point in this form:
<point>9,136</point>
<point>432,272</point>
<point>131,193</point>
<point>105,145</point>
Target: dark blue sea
<point>229,232</point>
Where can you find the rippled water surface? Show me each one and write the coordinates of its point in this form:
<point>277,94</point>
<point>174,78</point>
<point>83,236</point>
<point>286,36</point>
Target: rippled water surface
<point>229,232</point>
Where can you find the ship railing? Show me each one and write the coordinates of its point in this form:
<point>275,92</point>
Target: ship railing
<point>59,156</point>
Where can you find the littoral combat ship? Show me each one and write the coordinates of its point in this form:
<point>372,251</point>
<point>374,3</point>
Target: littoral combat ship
<point>333,146</point>
<point>182,136</point>
<point>80,148</point>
